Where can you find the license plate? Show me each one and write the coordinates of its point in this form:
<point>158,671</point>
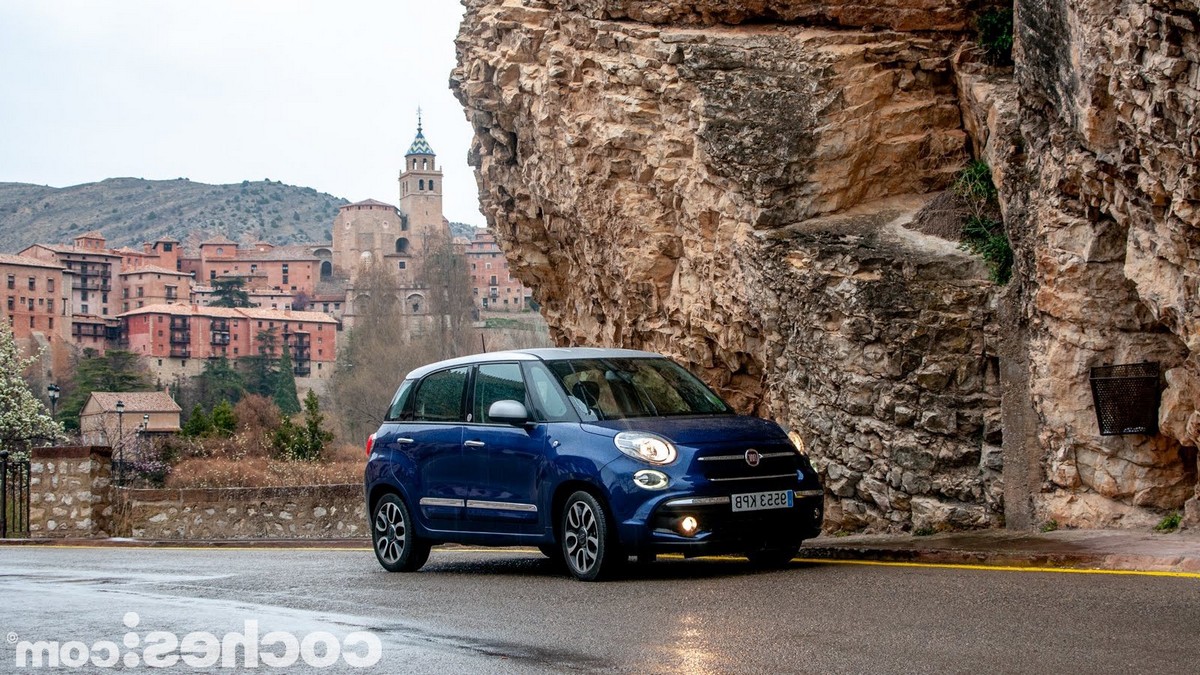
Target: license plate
<point>759,501</point>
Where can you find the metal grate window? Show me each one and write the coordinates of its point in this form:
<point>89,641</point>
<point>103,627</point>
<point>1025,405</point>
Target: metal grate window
<point>1126,398</point>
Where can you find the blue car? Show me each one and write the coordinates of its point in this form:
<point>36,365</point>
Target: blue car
<point>592,455</point>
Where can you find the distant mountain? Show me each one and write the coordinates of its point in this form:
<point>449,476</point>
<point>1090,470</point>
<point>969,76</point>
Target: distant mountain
<point>463,230</point>
<point>130,211</point>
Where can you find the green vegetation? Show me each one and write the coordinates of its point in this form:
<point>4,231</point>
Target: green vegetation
<point>995,31</point>
<point>923,532</point>
<point>305,442</point>
<point>1169,523</point>
<point>983,232</point>
<point>1050,525</point>
<point>284,392</point>
<point>117,370</point>
<point>230,292</point>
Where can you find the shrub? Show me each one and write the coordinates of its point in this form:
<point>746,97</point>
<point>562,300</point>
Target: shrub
<point>197,424</point>
<point>1169,523</point>
<point>995,30</point>
<point>986,239</point>
<point>304,443</point>
<point>983,233</point>
<point>224,420</point>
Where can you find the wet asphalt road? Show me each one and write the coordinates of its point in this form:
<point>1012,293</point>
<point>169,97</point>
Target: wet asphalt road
<point>515,611</point>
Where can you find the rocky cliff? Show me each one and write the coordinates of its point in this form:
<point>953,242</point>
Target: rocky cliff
<point>736,184</point>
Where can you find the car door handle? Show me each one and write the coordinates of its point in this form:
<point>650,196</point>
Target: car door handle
<point>474,444</point>
<point>404,441</point>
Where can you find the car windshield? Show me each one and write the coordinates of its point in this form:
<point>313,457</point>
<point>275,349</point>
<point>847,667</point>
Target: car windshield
<point>618,388</point>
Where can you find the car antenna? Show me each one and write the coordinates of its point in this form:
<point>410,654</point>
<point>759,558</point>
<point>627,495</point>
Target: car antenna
<point>483,342</point>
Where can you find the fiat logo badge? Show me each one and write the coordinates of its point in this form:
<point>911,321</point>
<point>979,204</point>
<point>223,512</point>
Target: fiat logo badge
<point>752,457</point>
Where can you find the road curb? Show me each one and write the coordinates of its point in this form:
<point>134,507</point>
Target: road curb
<point>1006,558</point>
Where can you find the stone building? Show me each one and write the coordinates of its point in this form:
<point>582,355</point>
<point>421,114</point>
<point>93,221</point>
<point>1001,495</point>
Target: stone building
<point>292,269</point>
<point>95,284</point>
<point>154,285</point>
<point>142,415</point>
<point>37,306</point>
<point>397,239</point>
<point>493,286</point>
<point>175,340</point>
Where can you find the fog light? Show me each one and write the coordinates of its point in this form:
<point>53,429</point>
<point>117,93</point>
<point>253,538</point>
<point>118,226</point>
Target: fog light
<point>650,479</point>
<point>688,526</point>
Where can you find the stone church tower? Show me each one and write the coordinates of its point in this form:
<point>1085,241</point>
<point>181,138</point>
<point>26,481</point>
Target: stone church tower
<point>421,195</point>
<point>371,232</point>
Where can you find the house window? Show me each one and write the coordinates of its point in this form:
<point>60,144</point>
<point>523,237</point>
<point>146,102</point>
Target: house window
<point>32,284</point>
<point>50,285</point>
<point>50,304</point>
<point>83,309</point>
<point>12,281</point>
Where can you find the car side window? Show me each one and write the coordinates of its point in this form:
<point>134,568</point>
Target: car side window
<point>439,398</point>
<point>496,382</point>
<point>546,395</point>
<point>399,411</point>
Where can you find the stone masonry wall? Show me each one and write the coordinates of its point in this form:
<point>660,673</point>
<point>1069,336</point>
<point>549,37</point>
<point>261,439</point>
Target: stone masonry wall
<point>69,492</point>
<point>308,512</point>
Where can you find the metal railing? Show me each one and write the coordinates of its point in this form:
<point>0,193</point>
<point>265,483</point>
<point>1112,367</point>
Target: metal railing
<point>14,497</point>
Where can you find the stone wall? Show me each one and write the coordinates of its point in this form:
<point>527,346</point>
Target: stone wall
<point>730,183</point>
<point>309,512</point>
<point>69,492</point>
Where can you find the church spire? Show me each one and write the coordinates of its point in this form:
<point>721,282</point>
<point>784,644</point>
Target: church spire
<point>420,146</point>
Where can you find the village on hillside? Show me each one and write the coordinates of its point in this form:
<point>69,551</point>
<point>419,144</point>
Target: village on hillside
<point>178,307</point>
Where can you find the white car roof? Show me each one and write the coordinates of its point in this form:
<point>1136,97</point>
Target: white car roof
<point>545,354</point>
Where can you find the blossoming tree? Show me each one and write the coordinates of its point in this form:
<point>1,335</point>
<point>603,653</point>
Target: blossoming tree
<point>23,418</point>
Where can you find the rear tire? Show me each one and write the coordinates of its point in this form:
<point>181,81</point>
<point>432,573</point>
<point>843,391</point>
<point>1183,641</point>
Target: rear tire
<point>773,558</point>
<point>589,545</point>
<point>397,547</point>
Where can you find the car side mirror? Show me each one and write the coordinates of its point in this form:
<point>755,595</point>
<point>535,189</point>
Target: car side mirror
<point>509,412</point>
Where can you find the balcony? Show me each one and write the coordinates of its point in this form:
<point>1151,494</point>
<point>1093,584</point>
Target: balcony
<point>179,337</point>
<point>220,325</point>
<point>181,353</point>
<point>102,285</point>
<point>219,338</point>
<point>179,323</point>
<point>302,369</point>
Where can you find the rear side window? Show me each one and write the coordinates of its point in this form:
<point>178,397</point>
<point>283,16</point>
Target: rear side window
<point>397,411</point>
<point>439,397</point>
<point>497,382</point>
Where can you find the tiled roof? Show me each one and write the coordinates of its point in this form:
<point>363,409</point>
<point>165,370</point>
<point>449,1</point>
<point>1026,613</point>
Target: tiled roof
<point>136,402</point>
<point>62,248</point>
<point>27,261</point>
<point>419,146</point>
<point>94,234</point>
<point>155,269</point>
<point>219,239</point>
<point>367,202</point>
<point>249,313</point>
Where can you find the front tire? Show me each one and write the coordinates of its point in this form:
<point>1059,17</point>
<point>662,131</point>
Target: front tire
<point>589,545</point>
<point>397,547</point>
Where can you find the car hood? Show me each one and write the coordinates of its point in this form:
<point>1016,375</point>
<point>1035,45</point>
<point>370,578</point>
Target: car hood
<point>695,431</point>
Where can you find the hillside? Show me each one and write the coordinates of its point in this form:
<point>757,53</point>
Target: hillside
<point>130,211</point>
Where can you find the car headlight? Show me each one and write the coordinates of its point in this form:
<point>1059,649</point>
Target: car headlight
<point>646,447</point>
<point>797,442</point>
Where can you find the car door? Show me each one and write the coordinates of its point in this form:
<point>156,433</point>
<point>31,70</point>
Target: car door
<point>433,441</point>
<point>506,463</point>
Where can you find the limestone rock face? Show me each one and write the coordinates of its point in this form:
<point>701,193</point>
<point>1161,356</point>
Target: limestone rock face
<point>731,183</point>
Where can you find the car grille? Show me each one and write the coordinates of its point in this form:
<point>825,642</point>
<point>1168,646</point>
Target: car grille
<point>729,464</point>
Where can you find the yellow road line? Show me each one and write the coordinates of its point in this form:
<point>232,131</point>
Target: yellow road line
<point>1001,568</point>
<point>671,556</point>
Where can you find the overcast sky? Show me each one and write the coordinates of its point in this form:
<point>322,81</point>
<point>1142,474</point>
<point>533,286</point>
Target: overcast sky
<point>310,92</point>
